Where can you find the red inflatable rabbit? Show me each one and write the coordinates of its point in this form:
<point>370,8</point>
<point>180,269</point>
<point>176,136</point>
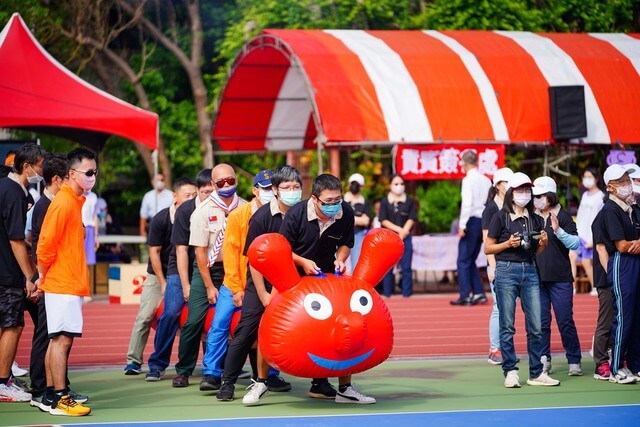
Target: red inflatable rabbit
<point>326,325</point>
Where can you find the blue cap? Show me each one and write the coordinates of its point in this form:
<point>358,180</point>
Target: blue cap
<point>262,179</point>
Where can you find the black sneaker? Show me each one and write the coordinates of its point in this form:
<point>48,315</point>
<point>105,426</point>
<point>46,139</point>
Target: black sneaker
<point>276,383</point>
<point>47,401</point>
<point>210,383</point>
<point>478,299</point>
<point>180,381</point>
<point>80,398</point>
<point>461,301</point>
<point>322,390</point>
<point>133,369</point>
<point>226,392</point>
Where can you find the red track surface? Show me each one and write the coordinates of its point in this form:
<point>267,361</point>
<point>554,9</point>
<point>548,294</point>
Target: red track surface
<point>425,326</point>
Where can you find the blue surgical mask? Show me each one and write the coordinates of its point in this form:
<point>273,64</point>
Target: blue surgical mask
<point>330,210</point>
<point>227,192</point>
<point>290,198</point>
<point>265,196</point>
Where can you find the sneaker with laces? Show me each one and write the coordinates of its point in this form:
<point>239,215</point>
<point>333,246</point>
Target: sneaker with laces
<point>603,372</point>
<point>80,398</point>
<point>17,371</point>
<point>9,392</point>
<point>543,380</point>
<point>133,369</point>
<point>512,379</point>
<point>322,390</point>
<point>35,401</point>
<point>478,299</point>
<point>210,383</point>
<point>277,384</point>
<point>257,390</point>
<point>180,380</point>
<point>575,370</point>
<point>495,357</point>
<point>155,375</point>
<point>47,401</point>
<point>546,364</point>
<point>352,395</point>
<point>623,376</point>
<point>226,393</point>
<point>68,407</point>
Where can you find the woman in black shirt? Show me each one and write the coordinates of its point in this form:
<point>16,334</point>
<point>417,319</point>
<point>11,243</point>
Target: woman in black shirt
<point>514,237</point>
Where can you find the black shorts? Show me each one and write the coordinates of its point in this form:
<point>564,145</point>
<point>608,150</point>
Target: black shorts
<point>11,307</point>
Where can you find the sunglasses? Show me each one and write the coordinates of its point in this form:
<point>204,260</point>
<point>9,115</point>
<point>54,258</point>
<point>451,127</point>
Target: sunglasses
<point>230,181</point>
<point>89,173</point>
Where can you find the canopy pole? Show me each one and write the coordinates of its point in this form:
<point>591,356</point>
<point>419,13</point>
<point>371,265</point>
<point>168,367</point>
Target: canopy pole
<point>319,148</point>
<point>154,159</point>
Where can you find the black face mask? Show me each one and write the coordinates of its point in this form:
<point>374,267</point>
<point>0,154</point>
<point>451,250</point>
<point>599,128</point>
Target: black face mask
<point>354,187</point>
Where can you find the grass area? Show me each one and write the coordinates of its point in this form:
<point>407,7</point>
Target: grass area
<point>399,386</point>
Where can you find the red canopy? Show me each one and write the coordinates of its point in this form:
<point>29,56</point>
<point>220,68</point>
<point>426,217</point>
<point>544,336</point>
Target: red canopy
<point>288,88</point>
<point>39,94</point>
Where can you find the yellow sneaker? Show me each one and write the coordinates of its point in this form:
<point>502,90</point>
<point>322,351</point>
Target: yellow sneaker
<point>67,406</point>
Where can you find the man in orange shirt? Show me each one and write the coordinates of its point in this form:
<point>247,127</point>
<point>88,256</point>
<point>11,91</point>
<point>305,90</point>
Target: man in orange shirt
<point>64,276</point>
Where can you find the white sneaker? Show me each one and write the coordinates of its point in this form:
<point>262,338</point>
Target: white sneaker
<point>17,371</point>
<point>575,370</point>
<point>544,380</point>
<point>624,376</point>
<point>257,390</point>
<point>546,365</point>
<point>512,380</point>
<point>10,393</point>
<point>351,395</point>
<point>594,292</point>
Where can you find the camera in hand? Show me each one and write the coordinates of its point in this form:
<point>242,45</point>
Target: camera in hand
<point>526,237</point>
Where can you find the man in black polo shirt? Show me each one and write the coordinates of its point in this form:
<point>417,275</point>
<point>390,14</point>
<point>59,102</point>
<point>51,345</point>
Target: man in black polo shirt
<point>620,230</point>
<point>320,231</point>
<point>16,267</point>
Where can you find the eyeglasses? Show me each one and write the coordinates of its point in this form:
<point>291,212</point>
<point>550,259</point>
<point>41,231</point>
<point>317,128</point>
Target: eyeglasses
<point>220,183</point>
<point>89,173</point>
<point>332,202</point>
<point>292,188</point>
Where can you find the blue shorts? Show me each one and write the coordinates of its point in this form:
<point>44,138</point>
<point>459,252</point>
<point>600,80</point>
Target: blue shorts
<point>584,252</point>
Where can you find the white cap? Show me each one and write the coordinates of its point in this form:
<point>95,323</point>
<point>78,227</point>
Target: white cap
<point>503,174</point>
<point>518,179</point>
<point>356,177</point>
<point>636,170</point>
<point>544,185</point>
<point>614,172</point>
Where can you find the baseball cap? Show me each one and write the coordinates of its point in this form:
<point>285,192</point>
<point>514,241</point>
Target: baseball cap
<point>636,170</point>
<point>518,179</point>
<point>262,179</point>
<point>356,177</point>
<point>543,185</point>
<point>502,174</point>
<point>614,172</point>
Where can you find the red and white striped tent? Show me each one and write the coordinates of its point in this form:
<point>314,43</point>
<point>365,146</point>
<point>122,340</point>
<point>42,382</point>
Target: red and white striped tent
<point>291,89</point>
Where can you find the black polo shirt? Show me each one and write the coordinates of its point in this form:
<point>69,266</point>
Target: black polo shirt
<point>618,224</point>
<point>37,218</point>
<point>360,209</point>
<point>398,213</point>
<point>502,227</point>
<point>180,233</point>
<point>13,218</point>
<point>600,236</point>
<point>490,210</point>
<point>306,240</point>
<point>160,235</point>
<point>553,262</point>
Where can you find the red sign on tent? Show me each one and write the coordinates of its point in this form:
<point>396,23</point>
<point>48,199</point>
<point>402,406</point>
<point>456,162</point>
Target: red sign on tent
<point>444,161</point>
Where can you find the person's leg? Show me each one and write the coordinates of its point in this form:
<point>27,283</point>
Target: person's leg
<point>622,279</point>
<point>405,264</point>
<point>168,324</point>
<point>465,247</point>
<point>149,301</point>
<point>218,334</point>
<point>494,322</point>
<point>39,346</point>
<point>507,289</point>
<point>58,356</point>
<point>474,231</point>
<point>388,283</point>
<point>633,349</point>
<point>545,318</point>
<point>602,337</point>
<point>11,325</point>
<point>530,301</point>
<point>562,300</point>
<point>355,251</point>
<point>587,264</point>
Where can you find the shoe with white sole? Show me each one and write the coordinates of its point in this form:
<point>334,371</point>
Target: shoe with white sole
<point>575,370</point>
<point>17,371</point>
<point>623,376</point>
<point>512,379</point>
<point>9,392</point>
<point>543,380</point>
<point>352,395</point>
<point>257,391</point>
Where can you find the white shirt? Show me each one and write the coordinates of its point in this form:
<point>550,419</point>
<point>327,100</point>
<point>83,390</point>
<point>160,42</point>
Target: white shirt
<point>475,190</point>
<point>89,209</point>
<point>149,209</point>
<point>590,205</point>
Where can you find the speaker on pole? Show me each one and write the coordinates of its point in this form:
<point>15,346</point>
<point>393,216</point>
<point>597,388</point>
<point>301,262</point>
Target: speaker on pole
<point>568,112</point>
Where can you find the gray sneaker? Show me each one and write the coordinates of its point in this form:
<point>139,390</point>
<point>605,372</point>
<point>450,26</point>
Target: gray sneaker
<point>575,370</point>
<point>512,379</point>
<point>546,364</point>
<point>623,376</point>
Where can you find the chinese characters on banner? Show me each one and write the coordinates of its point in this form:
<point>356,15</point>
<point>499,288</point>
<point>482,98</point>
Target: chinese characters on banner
<point>443,161</point>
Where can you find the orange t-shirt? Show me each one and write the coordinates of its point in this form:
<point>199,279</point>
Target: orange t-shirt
<point>61,246</point>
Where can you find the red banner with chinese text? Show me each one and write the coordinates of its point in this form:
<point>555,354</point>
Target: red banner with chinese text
<point>444,161</point>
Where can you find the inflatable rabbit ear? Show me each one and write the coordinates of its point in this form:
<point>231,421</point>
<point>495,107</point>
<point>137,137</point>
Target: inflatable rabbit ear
<point>381,250</point>
<point>271,255</point>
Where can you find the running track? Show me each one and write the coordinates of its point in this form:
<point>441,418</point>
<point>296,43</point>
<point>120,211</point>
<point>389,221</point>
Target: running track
<point>425,326</point>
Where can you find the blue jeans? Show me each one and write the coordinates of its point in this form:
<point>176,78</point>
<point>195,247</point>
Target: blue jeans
<point>494,322</point>
<point>355,251</point>
<point>167,324</point>
<point>560,296</point>
<point>468,250</point>
<point>407,274</point>
<point>513,280</point>
<point>219,333</point>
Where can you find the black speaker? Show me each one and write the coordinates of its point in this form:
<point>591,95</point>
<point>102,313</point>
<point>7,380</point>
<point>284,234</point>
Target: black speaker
<point>568,113</point>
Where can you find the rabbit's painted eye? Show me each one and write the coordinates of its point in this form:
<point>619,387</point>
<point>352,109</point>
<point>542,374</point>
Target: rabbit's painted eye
<point>318,306</point>
<point>361,302</point>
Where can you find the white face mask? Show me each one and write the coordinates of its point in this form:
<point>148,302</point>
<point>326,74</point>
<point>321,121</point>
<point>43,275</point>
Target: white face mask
<point>540,203</point>
<point>159,185</point>
<point>624,191</point>
<point>521,199</point>
<point>34,179</point>
<point>265,196</point>
<point>397,189</point>
<point>588,182</point>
